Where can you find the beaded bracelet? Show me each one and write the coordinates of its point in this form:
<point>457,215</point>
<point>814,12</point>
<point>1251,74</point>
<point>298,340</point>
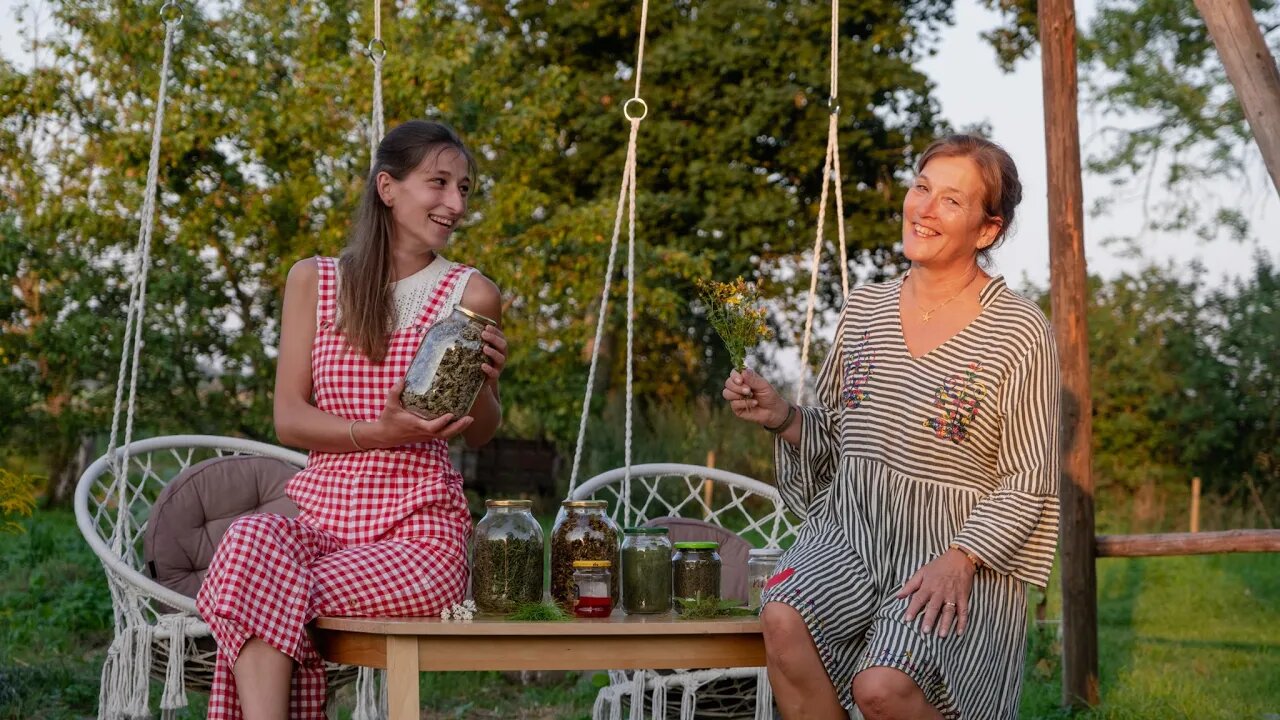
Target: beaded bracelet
<point>977,562</point>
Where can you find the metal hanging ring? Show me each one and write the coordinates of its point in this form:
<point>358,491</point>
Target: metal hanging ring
<point>376,50</point>
<point>644,109</point>
<point>171,13</point>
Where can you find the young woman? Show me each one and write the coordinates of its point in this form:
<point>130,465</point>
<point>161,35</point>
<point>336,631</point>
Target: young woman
<point>927,474</point>
<point>383,524</point>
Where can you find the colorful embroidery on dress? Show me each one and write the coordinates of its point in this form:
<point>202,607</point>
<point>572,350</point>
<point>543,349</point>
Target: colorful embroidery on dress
<point>901,659</point>
<point>857,365</point>
<point>959,400</point>
<point>780,577</point>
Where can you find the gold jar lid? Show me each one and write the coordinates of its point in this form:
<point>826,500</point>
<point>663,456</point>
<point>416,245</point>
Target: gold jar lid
<point>592,563</point>
<point>509,503</point>
<point>477,316</point>
<point>585,504</point>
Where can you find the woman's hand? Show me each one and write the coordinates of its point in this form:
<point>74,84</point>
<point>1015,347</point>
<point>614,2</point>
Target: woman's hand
<point>495,348</point>
<point>754,399</point>
<point>397,426</point>
<point>941,589</point>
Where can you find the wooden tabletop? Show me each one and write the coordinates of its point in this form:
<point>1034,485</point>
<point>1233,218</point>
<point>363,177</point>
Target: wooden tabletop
<point>617,624</point>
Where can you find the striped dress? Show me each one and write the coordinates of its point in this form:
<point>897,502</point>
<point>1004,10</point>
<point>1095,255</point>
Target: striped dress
<point>904,456</point>
<point>379,533</point>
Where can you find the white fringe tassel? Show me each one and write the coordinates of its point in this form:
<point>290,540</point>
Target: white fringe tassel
<point>174,696</point>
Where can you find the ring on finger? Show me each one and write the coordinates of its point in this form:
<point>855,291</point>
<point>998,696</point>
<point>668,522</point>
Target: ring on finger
<point>949,606</point>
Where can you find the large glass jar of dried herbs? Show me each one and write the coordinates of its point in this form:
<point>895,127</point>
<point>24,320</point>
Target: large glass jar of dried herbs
<point>445,376</point>
<point>506,557</point>
<point>646,570</point>
<point>583,531</point>
<point>695,572</point>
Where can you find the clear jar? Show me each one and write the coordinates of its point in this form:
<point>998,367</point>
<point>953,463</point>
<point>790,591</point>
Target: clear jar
<point>760,566</point>
<point>444,376</point>
<point>506,557</point>
<point>695,572</point>
<point>583,530</point>
<point>646,570</point>
<point>591,582</point>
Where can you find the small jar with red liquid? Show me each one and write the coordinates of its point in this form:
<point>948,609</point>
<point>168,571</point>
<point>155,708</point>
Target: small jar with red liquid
<point>591,581</point>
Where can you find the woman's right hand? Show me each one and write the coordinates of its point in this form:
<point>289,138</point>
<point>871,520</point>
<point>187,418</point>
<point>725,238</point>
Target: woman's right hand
<point>754,399</point>
<point>397,426</point>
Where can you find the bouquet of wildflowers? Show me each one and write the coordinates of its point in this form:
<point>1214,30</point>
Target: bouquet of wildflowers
<point>737,315</point>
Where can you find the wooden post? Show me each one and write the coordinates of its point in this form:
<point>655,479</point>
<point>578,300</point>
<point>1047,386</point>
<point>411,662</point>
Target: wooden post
<point>708,486</point>
<point>1252,71</point>
<point>1068,291</point>
<point>1195,504</point>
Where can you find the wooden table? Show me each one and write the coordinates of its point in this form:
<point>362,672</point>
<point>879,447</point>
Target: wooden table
<point>408,646</point>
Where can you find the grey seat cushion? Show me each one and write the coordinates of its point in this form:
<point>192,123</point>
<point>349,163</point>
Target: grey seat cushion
<point>733,550</point>
<point>189,518</point>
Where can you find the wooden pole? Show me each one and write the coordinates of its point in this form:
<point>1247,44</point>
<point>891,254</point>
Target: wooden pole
<point>1252,71</point>
<point>1068,292</point>
<point>708,486</point>
<point>1195,504</point>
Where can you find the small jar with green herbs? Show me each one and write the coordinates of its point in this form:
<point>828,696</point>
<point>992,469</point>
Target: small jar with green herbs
<point>583,530</point>
<point>695,572</point>
<point>506,557</point>
<point>646,570</point>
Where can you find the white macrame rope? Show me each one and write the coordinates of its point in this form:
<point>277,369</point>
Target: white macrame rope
<point>830,175</point>
<point>131,353</point>
<point>626,200</point>
<point>377,50</point>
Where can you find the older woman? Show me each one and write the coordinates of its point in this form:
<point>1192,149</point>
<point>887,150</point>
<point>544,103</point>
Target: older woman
<point>927,473</point>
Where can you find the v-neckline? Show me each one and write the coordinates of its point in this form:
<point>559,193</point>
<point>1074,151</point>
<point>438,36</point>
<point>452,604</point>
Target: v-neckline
<point>986,295</point>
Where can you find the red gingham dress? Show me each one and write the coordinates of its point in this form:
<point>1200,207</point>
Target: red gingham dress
<point>382,532</point>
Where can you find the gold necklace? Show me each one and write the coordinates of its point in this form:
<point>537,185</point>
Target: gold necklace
<point>927,315</point>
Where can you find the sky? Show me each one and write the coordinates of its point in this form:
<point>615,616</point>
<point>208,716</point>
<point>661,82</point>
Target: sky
<point>972,89</point>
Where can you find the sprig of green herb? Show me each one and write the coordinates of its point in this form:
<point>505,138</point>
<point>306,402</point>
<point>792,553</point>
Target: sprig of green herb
<point>539,612</point>
<point>709,607</point>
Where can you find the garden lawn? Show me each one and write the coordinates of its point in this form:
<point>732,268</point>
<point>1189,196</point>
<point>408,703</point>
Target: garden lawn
<point>1195,637</point>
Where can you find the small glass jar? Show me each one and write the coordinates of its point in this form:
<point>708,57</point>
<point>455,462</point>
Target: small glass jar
<point>591,581</point>
<point>695,572</point>
<point>506,557</point>
<point>760,566</point>
<point>583,530</point>
<point>444,376</point>
<point>646,570</point>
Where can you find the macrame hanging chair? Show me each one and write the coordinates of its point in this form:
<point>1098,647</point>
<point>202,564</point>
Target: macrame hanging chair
<point>651,494</point>
<point>157,631</point>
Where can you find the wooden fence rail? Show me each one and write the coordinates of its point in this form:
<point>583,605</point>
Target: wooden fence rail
<point>1200,543</point>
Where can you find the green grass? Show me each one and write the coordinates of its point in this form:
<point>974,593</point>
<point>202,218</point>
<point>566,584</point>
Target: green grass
<point>1179,637</point>
<point>1195,637</point>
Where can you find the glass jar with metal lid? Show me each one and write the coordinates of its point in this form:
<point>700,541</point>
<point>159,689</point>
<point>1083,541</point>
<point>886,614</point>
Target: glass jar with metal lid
<point>583,530</point>
<point>591,581</point>
<point>646,570</point>
<point>695,572</point>
<point>506,557</point>
<point>444,376</point>
<point>760,566</point>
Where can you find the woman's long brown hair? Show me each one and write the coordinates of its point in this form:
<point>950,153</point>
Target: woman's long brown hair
<point>365,312</point>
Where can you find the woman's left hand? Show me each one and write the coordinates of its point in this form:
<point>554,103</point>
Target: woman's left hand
<point>941,590</point>
<point>495,348</point>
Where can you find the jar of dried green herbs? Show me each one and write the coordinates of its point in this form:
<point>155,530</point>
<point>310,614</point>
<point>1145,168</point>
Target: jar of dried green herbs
<point>646,570</point>
<point>583,530</point>
<point>445,376</point>
<point>506,557</point>
<point>695,571</point>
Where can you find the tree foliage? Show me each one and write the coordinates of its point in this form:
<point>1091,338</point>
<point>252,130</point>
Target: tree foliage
<point>265,146</point>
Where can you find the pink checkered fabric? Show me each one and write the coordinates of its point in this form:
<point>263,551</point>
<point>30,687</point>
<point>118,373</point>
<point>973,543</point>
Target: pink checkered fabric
<point>380,533</point>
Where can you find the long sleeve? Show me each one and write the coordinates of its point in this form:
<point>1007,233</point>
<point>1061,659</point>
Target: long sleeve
<point>806,470</point>
<point>1015,528</point>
